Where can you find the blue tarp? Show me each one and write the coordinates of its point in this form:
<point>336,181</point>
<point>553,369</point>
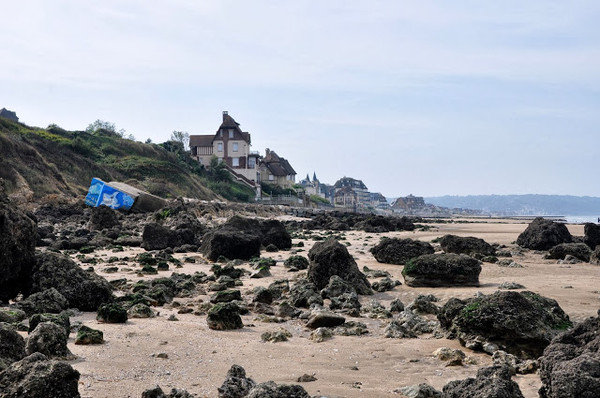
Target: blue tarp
<point>102,194</point>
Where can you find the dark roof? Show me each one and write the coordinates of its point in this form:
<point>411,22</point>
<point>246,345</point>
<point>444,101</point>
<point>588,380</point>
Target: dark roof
<point>349,182</point>
<point>277,165</point>
<point>201,140</point>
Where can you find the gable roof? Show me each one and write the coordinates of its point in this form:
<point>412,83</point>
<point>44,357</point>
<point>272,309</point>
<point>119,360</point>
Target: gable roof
<point>277,165</point>
<point>201,140</point>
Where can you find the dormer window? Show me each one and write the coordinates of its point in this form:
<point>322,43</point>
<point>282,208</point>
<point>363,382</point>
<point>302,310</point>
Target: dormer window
<point>230,133</point>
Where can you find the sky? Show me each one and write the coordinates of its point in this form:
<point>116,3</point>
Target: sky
<point>426,98</point>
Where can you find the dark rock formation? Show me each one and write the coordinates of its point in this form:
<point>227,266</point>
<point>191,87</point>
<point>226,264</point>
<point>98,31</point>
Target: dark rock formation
<point>84,290</point>
<point>271,390</point>
<point>491,382</point>
<point>570,367</point>
<point>47,301</point>
<point>103,217</point>
<point>591,235</point>
<point>466,245</point>
<point>231,244</point>
<point>61,320</point>
<point>10,115</point>
<point>224,316</point>
<point>87,335</point>
<point>18,233</point>
<point>226,296</point>
<point>12,346</point>
<point>327,319</point>
<point>304,294</point>
<point>521,323</point>
<point>595,257</point>
<point>236,384</point>
<point>424,304</point>
<point>436,270</point>
<point>579,250</point>
<point>296,262</point>
<point>336,287</point>
<point>420,391</point>
<point>157,392</point>
<point>49,339</point>
<point>544,234</point>
<point>37,377</point>
<point>159,237</point>
<point>329,258</point>
<point>112,313</point>
<point>399,251</point>
<point>274,233</point>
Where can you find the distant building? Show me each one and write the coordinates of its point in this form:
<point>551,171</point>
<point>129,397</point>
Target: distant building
<point>276,170</point>
<point>230,145</point>
<point>350,192</point>
<point>10,115</point>
<point>409,203</point>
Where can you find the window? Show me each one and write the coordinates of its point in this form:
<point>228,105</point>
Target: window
<point>251,162</point>
<point>235,147</point>
<point>220,147</point>
<point>230,133</point>
<point>235,162</point>
<point>271,177</point>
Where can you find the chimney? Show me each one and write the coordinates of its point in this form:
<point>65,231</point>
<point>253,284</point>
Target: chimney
<point>225,113</point>
<point>267,151</point>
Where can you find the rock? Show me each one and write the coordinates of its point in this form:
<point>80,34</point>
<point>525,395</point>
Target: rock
<point>591,235</point>
<point>328,319</point>
<point>140,310</point>
<point>491,382</point>
<point>40,378</point>
<point>346,303</point>
<point>61,320</point>
<point>502,358</point>
<point>424,304</point>
<point>319,335</point>
<point>47,301</point>
<point>83,290</point>
<point>224,316</point>
<point>87,335</point>
<point>271,390</point>
<point>466,245</point>
<point>329,258</point>
<point>510,286</point>
<point>103,217</point>
<point>276,336</point>
<point>12,346</point>
<point>570,366</point>
<point>304,294</point>
<point>569,260</point>
<point>409,325</point>
<point>18,232</point>
<point>336,287</point>
<point>451,356</point>
<point>236,384</point>
<point>436,270</point>
<point>420,391</point>
<point>396,305</point>
<point>157,392</point>
<point>296,262</point>
<point>226,296</point>
<point>262,295</point>
<point>262,272</point>
<point>399,251</point>
<point>111,313</point>
<point>595,257</point>
<point>396,330</point>
<point>11,315</point>
<point>231,244</point>
<point>49,339</point>
<point>385,284</point>
<point>274,233</point>
<point>306,378</point>
<point>159,237</point>
<point>521,323</point>
<point>544,234</point>
<point>578,250</point>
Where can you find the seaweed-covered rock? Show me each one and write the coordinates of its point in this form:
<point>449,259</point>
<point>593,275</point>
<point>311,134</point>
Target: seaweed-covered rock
<point>570,367</point>
<point>336,287</point>
<point>399,251</point>
<point>18,233</point>
<point>49,339</point>
<point>595,257</point>
<point>140,310</point>
<point>544,234</point>
<point>112,313</point>
<point>491,382</point>
<point>420,391</point>
<point>61,320</point>
<point>329,258</point>
<point>274,233</point>
<point>521,323</point>
<point>304,294</point>
<point>236,384</point>
<point>271,390</point>
<point>47,301</point>
<point>12,346</point>
<point>87,335</point>
<point>322,318</point>
<point>434,270</point>
<point>224,316</point>
<point>296,262</point>
<point>11,315</point>
<point>466,245</point>
<point>158,237</point>
<point>83,290</point>
<point>578,250</point>
<point>37,377</point>
<point>226,296</point>
<point>157,392</point>
<point>591,235</point>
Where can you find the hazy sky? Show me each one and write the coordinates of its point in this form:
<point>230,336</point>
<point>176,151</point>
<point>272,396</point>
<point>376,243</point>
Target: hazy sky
<point>422,97</point>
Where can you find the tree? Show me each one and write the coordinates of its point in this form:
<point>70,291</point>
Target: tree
<point>109,127</point>
<point>183,137</point>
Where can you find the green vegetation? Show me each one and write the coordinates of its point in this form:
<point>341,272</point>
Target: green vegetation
<point>54,161</point>
<point>470,309</point>
<point>316,199</point>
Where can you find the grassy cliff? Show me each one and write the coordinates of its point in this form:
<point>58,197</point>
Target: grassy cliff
<point>36,162</point>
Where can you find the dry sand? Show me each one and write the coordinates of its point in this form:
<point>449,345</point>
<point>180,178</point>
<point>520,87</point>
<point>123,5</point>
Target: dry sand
<point>348,366</point>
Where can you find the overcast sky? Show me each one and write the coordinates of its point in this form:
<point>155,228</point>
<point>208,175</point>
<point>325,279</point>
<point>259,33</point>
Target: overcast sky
<point>422,97</point>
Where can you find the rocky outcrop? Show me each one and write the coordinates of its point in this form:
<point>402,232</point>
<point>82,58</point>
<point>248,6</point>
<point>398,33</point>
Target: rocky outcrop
<point>578,250</point>
<point>224,316</point>
<point>435,270</point>
<point>236,384</point>
<point>270,389</point>
<point>12,346</point>
<point>159,237</point>
<point>591,235</point>
<point>595,257</point>
<point>521,323</point>
<point>87,335</point>
<point>157,392</point>
<point>37,377</point>
<point>570,367</point>
<point>544,234</point>
<point>49,339</point>
<point>111,313</point>
<point>61,320</point>
<point>49,300</point>
<point>83,290</point>
<point>490,382</point>
<point>103,217</point>
<point>399,251</point>
<point>466,245</point>
<point>328,258</point>
<point>18,232</point>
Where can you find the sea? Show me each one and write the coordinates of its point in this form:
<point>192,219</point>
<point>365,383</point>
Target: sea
<point>581,219</point>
